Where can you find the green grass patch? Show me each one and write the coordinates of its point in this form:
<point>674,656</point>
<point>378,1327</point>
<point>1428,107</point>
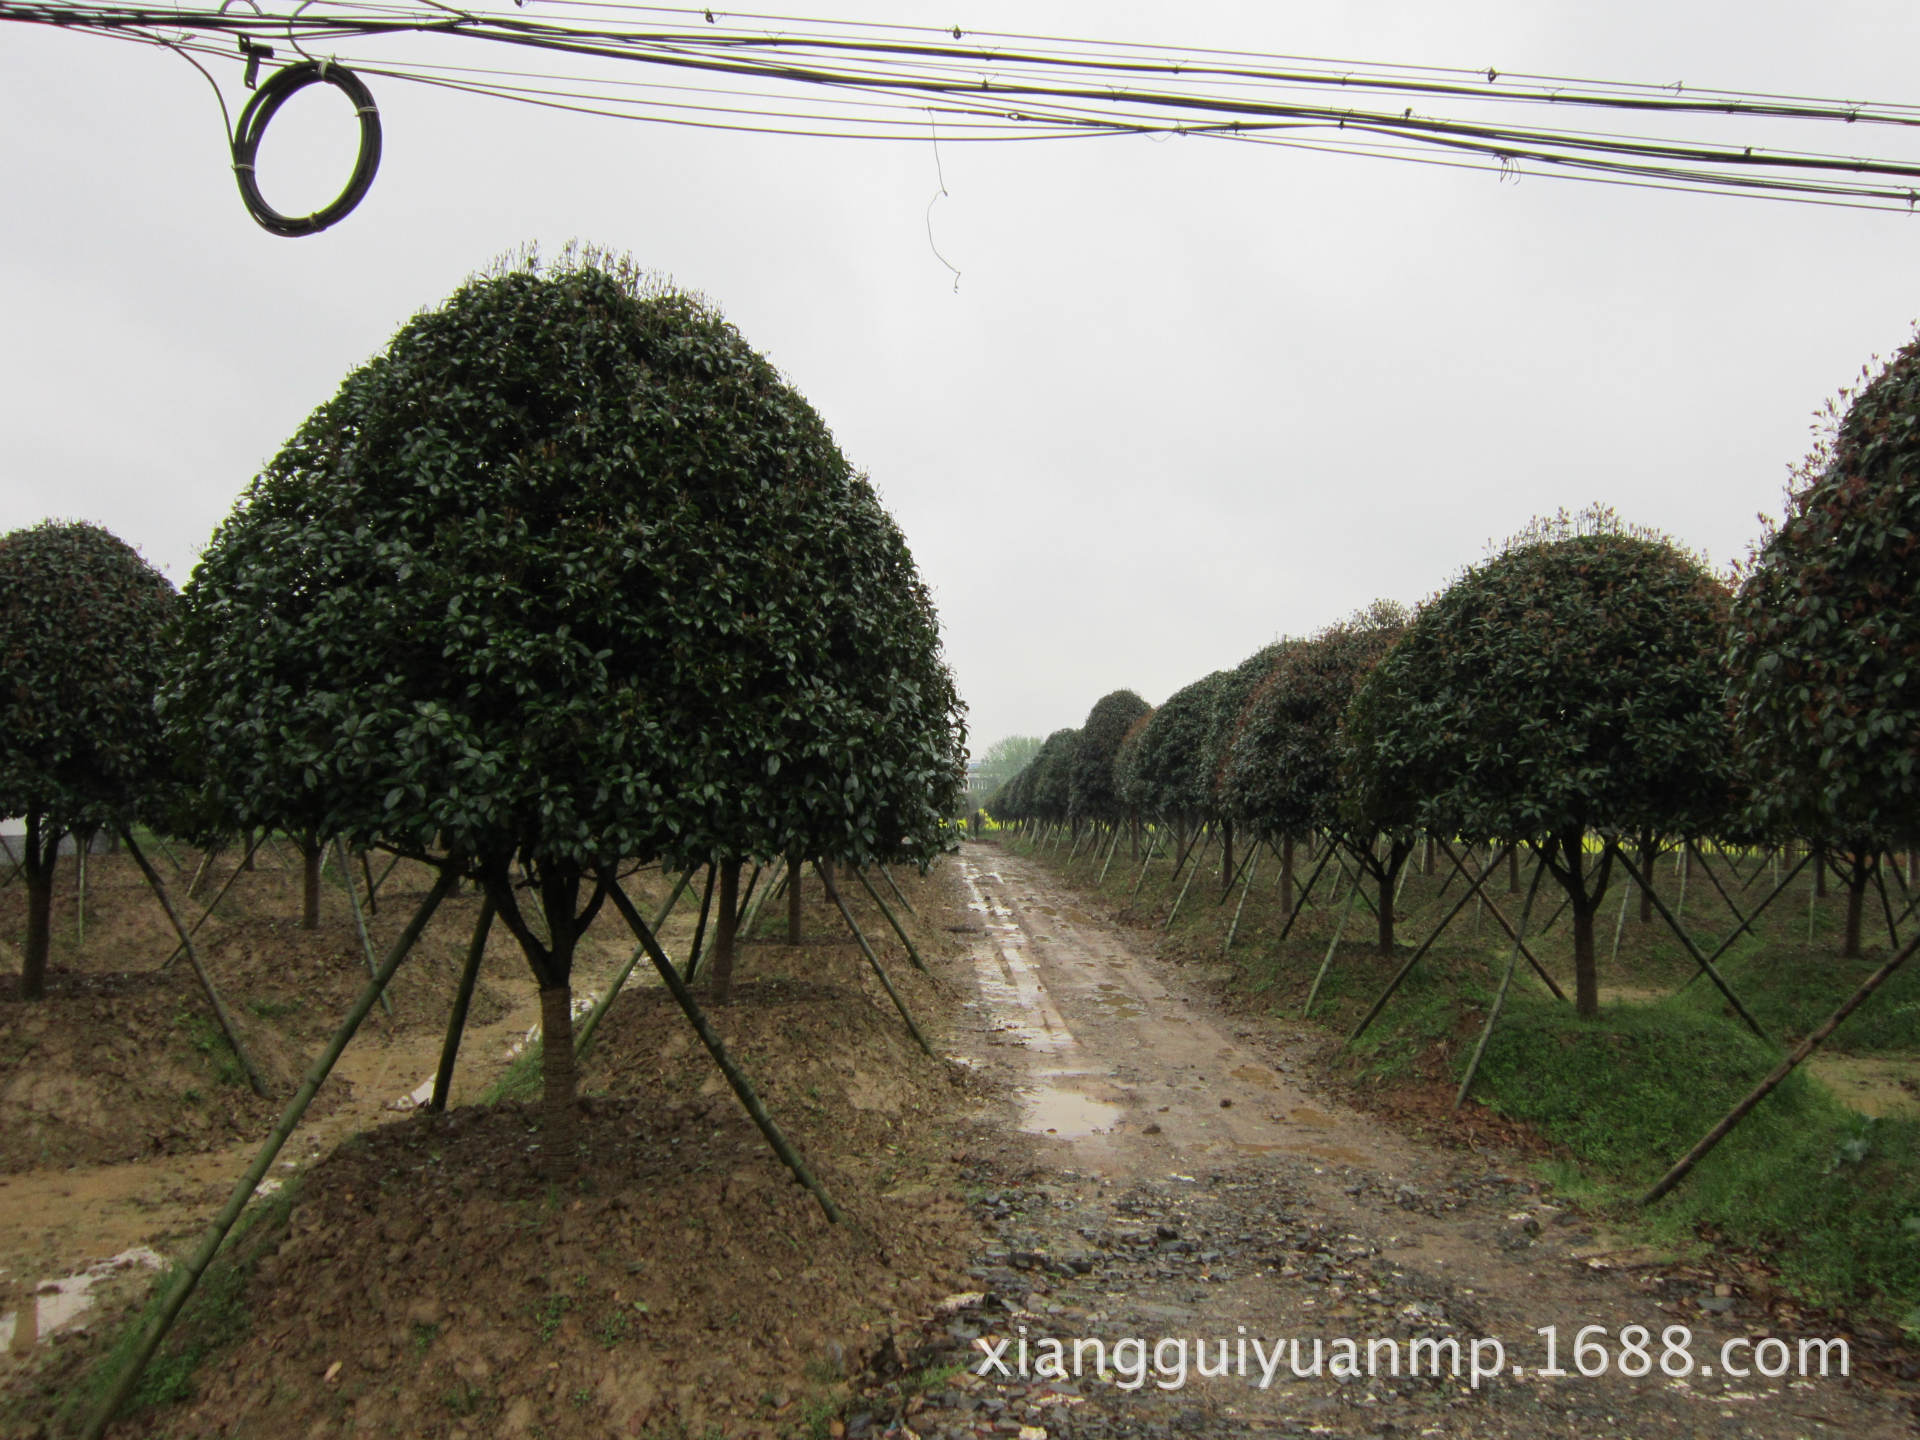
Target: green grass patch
<point>1791,989</point>
<point>210,1043</point>
<point>519,1081</point>
<point>1831,1196</point>
<point>213,1320</point>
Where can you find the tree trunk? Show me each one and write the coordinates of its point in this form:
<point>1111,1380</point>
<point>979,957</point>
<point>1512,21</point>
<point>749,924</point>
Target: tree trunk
<point>1286,875</point>
<point>1819,874</point>
<point>39,864</point>
<point>1649,852</point>
<point>794,862</point>
<point>1226,857</point>
<point>559,1122</point>
<point>311,856</point>
<point>1513,871</point>
<point>720,975</point>
<point>1586,969</point>
<point>1858,873</point>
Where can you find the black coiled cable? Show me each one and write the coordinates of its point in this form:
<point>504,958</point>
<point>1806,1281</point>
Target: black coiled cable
<point>280,87</point>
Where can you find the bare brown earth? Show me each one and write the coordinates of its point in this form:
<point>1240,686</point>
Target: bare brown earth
<point>1104,1152</point>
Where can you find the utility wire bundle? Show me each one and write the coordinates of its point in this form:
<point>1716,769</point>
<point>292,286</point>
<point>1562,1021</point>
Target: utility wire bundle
<point>849,80</point>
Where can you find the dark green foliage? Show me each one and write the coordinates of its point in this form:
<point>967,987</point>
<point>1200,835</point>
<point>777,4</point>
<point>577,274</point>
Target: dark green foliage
<point>1229,699</point>
<point>1568,685</point>
<point>81,616</point>
<point>1825,648</point>
<point>1167,775</point>
<point>1092,794</point>
<point>569,575</point>
<point>1281,775</point>
<point>1052,771</point>
<point>1571,685</point>
<point>81,655</point>
<point>569,572</point>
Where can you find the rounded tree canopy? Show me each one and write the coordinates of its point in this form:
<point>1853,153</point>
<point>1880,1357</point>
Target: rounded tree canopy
<point>1282,774</point>
<point>1052,770</point>
<point>1825,642</point>
<point>1092,793</point>
<point>568,571</point>
<point>1167,775</point>
<point>1571,683</point>
<point>81,655</point>
<point>1229,703</point>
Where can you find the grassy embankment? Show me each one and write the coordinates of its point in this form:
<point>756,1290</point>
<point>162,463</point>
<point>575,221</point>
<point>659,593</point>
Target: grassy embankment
<point>1822,1190</point>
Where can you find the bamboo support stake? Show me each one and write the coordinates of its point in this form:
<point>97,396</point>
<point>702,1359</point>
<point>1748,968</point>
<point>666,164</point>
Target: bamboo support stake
<point>1245,890</point>
<point>1326,962</point>
<point>1153,843</point>
<point>462,998</point>
<point>768,892</point>
<point>1426,944</point>
<point>1112,850</point>
<point>1500,995</point>
<point>1758,910</point>
<point>1206,838</point>
<point>359,920</point>
<point>1780,1072</point>
<point>887,875</point>
<point>1619,925</point>
<point>583,1035</point>
<point>216,1233</point>
<point>220,1014</point>
<point>200,870</point>
<point>1478,887</point>
<point>833,894</point>
<point>1300,905</point>
<point>81,844</point>
<point>683,997</point>
<point>700,925</point>
<point>179,949</point>
<point>898,929</point>
<point>1701,960</point>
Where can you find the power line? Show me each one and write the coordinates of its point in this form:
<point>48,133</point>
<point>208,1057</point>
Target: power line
<point>860,80</point>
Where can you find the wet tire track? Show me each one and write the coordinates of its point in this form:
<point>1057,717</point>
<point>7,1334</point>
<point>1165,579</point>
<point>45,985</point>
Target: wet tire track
<point>1167,1178</point>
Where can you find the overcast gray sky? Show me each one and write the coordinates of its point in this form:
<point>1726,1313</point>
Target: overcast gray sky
<point>1189,395</point>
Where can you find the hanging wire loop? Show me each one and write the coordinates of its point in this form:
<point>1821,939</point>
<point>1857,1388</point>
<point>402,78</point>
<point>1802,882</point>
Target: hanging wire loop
<point>280,87</point>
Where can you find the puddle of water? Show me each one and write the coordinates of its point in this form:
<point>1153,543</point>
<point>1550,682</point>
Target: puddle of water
<point>1065,1114</point>
<point>58,1303</point>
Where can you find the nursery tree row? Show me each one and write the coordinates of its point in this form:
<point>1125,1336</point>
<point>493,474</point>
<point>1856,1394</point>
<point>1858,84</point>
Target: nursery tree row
<point>1593,692</point>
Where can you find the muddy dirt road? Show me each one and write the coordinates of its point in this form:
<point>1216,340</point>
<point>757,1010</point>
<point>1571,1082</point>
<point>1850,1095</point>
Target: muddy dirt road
<point>1181,1191</point>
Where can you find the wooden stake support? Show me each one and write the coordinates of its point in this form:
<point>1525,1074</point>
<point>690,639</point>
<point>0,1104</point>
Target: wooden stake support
<point>359,919</point>
<point>227,1027</point>
<point>583,1036</point>
<point>1499,995</point>
<point>1702,961</point>
<point>898,929</point>
<point>188,1276</point>
<point>462,998</point>
<point>833,894</point>
<point>1780,1072</point>
<point>738,1081</point>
